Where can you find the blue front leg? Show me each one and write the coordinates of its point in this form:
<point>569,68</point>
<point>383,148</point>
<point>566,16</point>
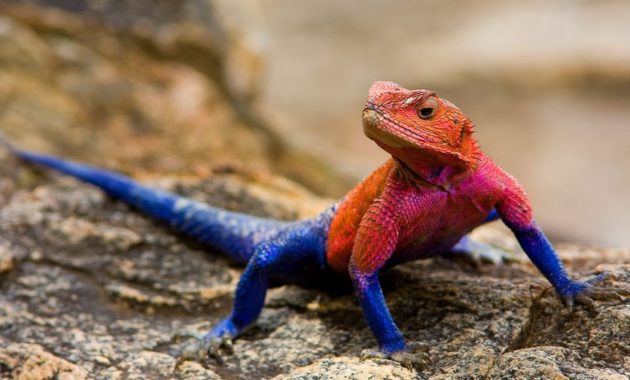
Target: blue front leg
<point>376,312</point>
<point>541,253</point>
<point>515,211</point>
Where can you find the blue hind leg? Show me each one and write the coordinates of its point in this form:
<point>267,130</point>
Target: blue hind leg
<point>478,252</point>
<point>293,254</point>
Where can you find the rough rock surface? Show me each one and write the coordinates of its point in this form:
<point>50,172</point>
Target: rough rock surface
<point>172,91</point>
<point>91,289</point>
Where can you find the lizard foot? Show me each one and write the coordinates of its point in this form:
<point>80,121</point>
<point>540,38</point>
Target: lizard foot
<point>478,253</point>
<point>215,343</point>
<point>414,356</point>
<point>585,292</point>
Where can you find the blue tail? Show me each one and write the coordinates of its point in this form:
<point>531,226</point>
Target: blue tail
<point>233,233</point>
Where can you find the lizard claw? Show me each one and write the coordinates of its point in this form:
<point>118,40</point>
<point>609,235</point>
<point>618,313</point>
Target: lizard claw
<point>414,356</point>
<point>373,354</point>
<point>585,292</point>
<point>213,344</point>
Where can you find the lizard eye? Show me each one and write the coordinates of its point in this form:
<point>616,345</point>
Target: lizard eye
<point>427,108</point>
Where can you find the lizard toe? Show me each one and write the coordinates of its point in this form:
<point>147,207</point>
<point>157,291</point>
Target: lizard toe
<point>586,292</point>
<point>208,347</point>
<point>414,356</point>
<point>373,354</point>
<point>194,350</point>
<point>213,344</point>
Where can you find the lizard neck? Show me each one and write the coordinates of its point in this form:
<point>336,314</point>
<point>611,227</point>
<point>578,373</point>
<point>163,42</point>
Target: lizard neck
<point>426,169</point>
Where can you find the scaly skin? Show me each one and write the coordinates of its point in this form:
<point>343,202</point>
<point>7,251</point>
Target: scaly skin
<point>437,187</point>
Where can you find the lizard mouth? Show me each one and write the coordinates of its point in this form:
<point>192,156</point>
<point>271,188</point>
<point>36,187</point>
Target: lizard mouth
<point>372,120</point>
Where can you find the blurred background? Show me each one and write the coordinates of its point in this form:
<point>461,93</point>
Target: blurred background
<point>182,87</point>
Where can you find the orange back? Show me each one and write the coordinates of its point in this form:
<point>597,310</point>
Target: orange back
<point>349,214</point>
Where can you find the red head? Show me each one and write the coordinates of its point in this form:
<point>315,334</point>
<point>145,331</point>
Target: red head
<point>419,128</point>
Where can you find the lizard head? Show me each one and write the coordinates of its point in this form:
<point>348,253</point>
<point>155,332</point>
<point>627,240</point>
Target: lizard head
<point>419,128</point>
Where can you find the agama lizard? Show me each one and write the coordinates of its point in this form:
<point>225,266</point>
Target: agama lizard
<point>437,187</point>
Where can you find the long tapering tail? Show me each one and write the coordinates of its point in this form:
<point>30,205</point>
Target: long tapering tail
<point>233,233</point>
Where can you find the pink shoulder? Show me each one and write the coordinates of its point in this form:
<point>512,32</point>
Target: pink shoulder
<point>513,204</point>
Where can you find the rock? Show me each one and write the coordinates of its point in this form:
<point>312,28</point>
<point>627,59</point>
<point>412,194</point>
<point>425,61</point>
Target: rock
<point>348,368</point>
<point>202,34</point>
<point>140,94</point>
<point>6,259</point>
<point>546,362</point>
<point>146,364</point>
<point>32,362</point>
<point>96,290</point>
<point>74,85</point>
